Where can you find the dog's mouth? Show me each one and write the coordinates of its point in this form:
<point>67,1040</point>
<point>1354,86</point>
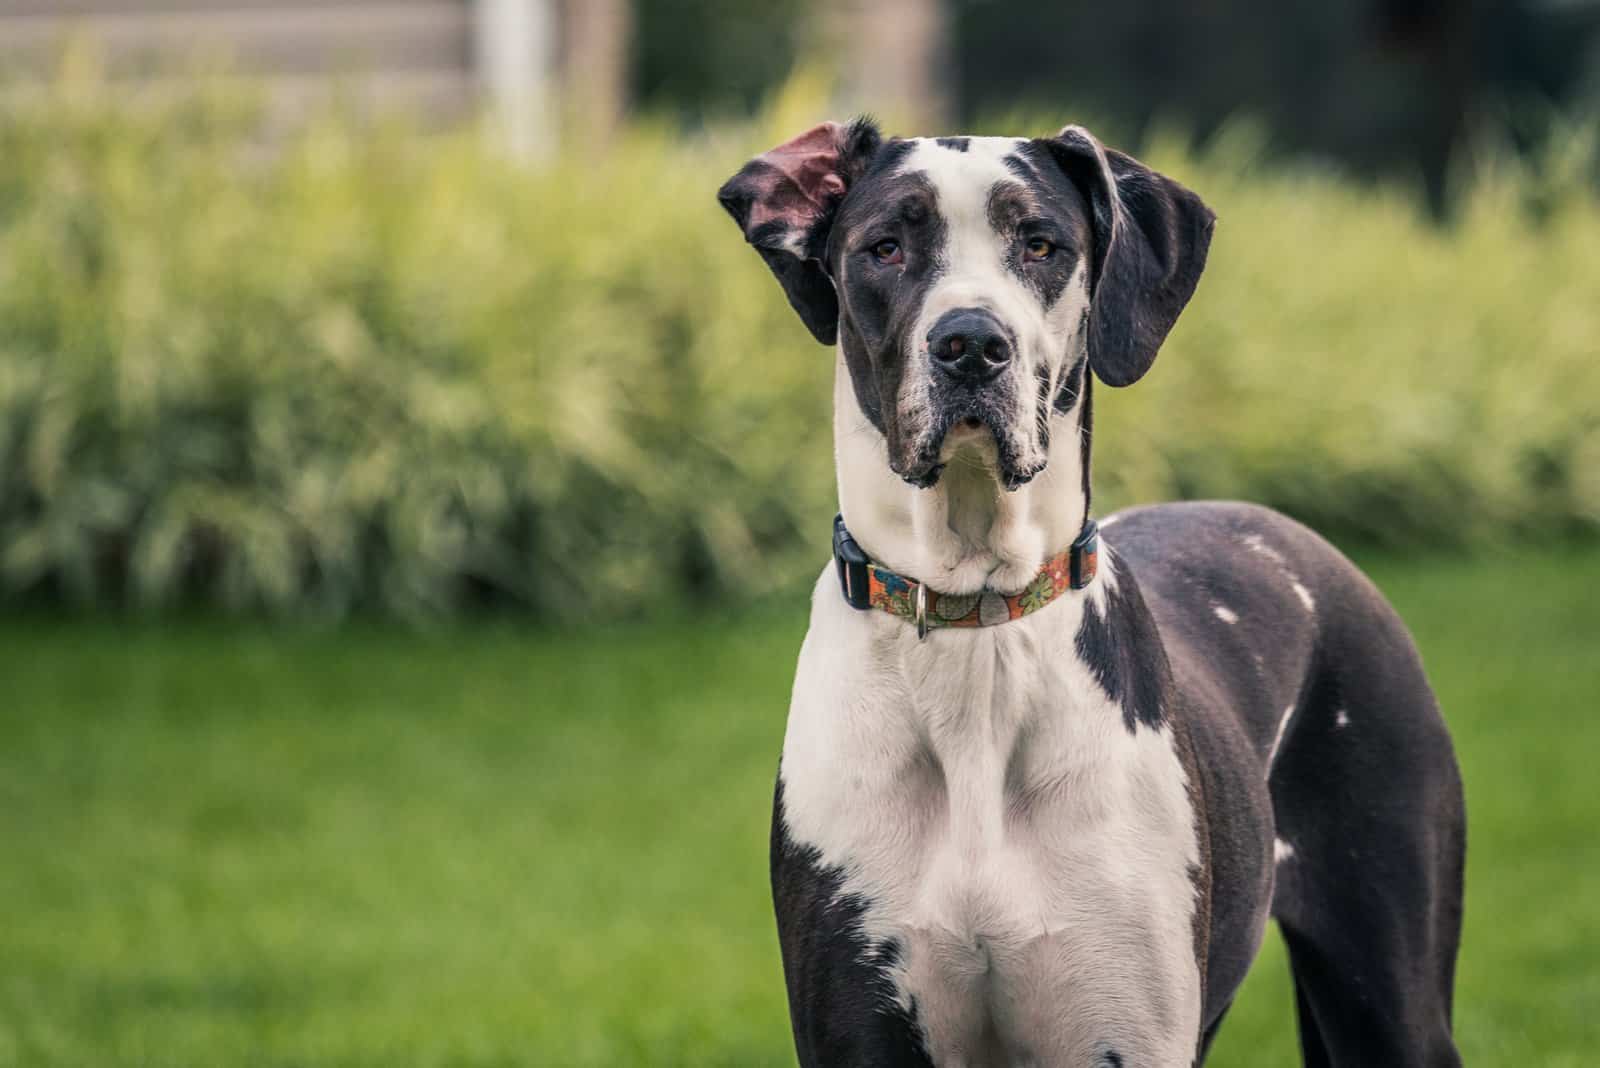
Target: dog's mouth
<point>977,429</point>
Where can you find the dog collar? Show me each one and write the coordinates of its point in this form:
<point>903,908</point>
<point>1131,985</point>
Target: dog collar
<point>868,585</point>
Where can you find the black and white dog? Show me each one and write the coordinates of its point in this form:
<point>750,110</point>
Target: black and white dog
<point>1056,840</point>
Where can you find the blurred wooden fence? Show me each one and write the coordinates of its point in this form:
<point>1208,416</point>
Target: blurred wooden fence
<point>435,59</point>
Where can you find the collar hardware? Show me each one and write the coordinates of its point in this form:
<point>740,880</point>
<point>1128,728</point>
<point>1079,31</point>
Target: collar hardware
<point>852,564</point>
<point>868,585</point>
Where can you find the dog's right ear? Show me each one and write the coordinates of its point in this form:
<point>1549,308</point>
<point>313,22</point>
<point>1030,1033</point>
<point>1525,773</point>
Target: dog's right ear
<point>784,201</point>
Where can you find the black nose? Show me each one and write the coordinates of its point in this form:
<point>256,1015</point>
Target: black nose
<point>969,344</point>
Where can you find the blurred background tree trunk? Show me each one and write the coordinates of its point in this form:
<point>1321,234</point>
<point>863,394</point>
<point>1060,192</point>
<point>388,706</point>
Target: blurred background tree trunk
<point>597,58</point>
<point>892,57</point>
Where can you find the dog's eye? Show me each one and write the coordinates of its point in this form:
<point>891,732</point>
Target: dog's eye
<point>887,252</point>
<point>1039,248</point>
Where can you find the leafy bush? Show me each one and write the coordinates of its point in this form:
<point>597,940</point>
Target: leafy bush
<point>376,370</point>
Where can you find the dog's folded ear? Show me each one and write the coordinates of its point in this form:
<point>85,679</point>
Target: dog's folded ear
<point>785,200</point>
<point>1151,236</point>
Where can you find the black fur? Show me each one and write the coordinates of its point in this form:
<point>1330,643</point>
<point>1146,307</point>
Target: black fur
<point>1085,431</point>
<point>1151,237</point>
<point>1043,202</point>
<point>805,283</point>
<point>880,305</point>
<point>1370,901</point>
<point>1124,652</point>
<point>841,1000</point>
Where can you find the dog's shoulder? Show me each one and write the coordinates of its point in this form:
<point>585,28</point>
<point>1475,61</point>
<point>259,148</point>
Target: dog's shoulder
<point>1201,563</point>
<point>1232,563</point>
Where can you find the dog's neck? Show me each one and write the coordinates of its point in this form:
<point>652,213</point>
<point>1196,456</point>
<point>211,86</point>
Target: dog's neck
<point>967,532</point>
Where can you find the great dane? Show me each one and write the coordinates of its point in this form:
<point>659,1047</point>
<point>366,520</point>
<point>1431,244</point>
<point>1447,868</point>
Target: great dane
<point>1045,781</point>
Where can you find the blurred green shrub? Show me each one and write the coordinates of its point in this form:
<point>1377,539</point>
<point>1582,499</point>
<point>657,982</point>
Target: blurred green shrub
<point>375,370</point>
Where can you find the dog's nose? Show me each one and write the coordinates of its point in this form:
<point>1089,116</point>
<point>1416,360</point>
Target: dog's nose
<point>969,344</point>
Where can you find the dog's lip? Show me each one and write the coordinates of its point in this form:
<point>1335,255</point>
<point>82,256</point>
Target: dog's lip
<point>966,423</point>
<point>925,474</point>
<point>967,429</point>
<point>966,426</point>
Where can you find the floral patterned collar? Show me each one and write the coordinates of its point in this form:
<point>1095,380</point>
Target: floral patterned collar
<point>869,585</point>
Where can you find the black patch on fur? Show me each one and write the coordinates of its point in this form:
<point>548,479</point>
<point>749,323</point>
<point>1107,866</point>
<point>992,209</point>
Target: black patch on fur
<point>1373,957</point>
<point>955,144</point>
<point>760,183</point>
<point>890,155</point>
<point>841,1000</point>
<point>1042,406</point>
<point>1150,239</point>
<point>1111,1059</point>
<point>1067,393</point>
<point>1086,434</point>
<point>1123,650</point>
<point>880,304</point>
<point>1044,203</point>
<point>1200,874</point>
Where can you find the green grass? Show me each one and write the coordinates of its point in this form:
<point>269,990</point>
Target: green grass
<point>248,845</point>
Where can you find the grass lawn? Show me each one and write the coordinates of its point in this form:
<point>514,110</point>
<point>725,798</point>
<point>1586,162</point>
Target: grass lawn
<point>247,845</point>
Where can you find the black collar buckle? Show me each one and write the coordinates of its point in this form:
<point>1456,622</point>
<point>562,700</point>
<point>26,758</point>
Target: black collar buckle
<point>852,566</point>
<point>1084,560</point>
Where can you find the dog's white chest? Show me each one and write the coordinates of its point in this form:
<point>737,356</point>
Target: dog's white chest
<point>1027,852</point>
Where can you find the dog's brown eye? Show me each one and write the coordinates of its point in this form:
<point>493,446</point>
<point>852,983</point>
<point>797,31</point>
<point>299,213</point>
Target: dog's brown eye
<point>887,252</point>
<point>1039,248</point>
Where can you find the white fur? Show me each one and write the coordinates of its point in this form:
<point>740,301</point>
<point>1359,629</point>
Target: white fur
<point>979,790</point>
<point>968,533</point>
<point>1304,595</point>
<point>1222,612</point>
<point>1030,855</point>
<point>1277,740</point>
<point>1256,544</point>
<point>973,274</point>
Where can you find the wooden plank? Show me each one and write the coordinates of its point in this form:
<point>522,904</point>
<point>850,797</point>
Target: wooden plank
<point>404,35</point>
<point>145,7</point>
<point>433,99</point>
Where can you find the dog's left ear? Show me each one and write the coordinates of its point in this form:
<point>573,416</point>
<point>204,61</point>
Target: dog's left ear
<point>1151,236</point>
<point>785,200</point>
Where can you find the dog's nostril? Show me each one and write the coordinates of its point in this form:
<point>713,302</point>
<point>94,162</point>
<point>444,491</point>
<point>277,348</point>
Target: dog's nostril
<point>958,345</point>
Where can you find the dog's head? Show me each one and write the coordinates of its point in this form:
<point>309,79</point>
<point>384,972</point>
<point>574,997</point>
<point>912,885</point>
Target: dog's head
<point>969,279</point>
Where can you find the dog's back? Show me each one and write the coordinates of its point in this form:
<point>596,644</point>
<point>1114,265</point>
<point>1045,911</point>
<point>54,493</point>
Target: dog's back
<point>1287,651</point>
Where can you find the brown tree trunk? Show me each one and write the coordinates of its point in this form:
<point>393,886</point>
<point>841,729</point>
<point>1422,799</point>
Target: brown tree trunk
<point>597,40</point>
<point>892,59</point>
